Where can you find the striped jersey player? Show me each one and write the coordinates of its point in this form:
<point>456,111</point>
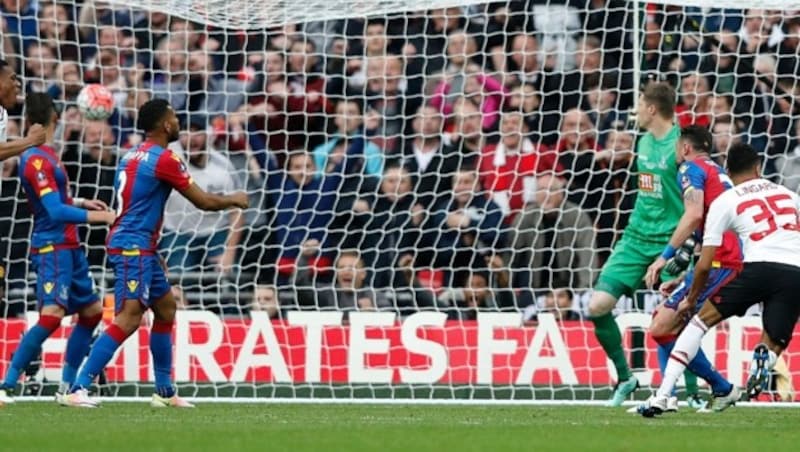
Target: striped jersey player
<point>63,283</point>
<point>701,181</point>
<point>145,177</point>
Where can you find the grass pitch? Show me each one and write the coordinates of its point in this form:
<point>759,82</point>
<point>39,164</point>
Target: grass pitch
<point>263,427</point>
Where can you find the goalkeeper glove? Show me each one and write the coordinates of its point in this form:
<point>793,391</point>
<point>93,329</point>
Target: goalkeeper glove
<point>682,258</point>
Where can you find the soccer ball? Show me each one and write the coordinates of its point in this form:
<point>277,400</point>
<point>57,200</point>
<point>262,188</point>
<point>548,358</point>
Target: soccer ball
<point>96,102</point>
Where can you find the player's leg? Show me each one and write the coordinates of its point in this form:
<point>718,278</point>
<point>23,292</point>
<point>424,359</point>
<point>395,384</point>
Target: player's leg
<point>52,289</point>
<point>664,329</point>
<point>85,301</point>
<point>781,311</point>
<point>164,308</point>
<point>667,325</point>
<point>664,334</point>
<point>621,275</point>
<point>130,294</point>
<point>734,299</point>
<point>684,351</point>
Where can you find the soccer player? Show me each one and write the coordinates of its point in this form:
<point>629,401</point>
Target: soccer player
<point>9,90</point>
<point>63,283</point>
<point>655,215</point>
<point>702,181</point>
<point>146,176</point>
<point>765,217</point>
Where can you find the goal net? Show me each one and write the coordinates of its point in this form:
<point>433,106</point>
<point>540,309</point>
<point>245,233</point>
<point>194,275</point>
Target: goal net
<point>434,186</point>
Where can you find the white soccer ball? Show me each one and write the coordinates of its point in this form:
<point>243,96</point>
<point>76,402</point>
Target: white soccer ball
<point>96,102</point>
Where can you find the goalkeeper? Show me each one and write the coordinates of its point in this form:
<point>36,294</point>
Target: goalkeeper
<point>658,209</point>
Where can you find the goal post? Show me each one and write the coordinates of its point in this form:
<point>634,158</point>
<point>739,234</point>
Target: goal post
<point>434,186</point>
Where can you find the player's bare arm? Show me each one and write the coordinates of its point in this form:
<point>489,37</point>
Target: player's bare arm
<point>692,219</point>
<point>10,88</point>
<point>204,200</point>
<point>36,136</point>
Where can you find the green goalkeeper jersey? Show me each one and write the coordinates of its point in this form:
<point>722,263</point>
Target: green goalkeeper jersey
<point>659,204</point>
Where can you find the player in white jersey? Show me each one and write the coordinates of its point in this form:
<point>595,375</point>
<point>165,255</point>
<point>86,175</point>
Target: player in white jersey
<point>9,91</point>
<point>765,216</point>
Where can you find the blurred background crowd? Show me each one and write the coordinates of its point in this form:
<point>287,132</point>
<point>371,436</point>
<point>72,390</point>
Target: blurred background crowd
<point>461,159</point>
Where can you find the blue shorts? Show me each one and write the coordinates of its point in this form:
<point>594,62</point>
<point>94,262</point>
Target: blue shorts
<point>138,277</point>
<point>717,279</point>
<point>63,279</point>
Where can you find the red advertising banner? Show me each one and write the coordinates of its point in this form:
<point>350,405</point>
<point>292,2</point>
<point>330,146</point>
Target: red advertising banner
<point>424,348</point>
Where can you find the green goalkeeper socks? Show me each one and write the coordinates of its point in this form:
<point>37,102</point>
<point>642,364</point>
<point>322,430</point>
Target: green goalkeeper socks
<point>691,382</point>
<point>609,336</point>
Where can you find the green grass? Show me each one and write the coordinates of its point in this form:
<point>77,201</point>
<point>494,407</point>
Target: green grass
<point>260,427</point>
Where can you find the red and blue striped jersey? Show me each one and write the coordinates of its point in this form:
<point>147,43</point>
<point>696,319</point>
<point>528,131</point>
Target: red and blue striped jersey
<point>144,180</point>
<point>41,174</point>
<point>704,174</point>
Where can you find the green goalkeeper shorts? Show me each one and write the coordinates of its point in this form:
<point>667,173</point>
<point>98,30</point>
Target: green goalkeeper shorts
<point>624,271</point>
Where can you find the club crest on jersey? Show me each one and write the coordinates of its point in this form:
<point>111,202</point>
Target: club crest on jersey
<point>41,179</point>
<point>48,287</point>
<point>685,182</point>
<point>132,285</point>
<point>37,163</point>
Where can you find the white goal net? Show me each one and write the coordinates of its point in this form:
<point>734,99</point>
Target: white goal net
<point>434,186</point>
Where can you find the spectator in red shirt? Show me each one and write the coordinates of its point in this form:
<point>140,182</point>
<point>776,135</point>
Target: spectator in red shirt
<point>695,105</point>
<point>306,103</point>
<point>508,169</point>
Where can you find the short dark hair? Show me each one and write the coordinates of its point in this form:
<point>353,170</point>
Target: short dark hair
<point>376,21</point>
<point>698,137</point>
<point>358,102</point>
<point>742,158</point>
<point>39,108</point>
<point>662,96</point>
<point>296,153</point>
<point>151,114</point>
<point>4,64</point>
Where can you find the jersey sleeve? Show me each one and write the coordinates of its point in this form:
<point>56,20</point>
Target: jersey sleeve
<point>171,170</point>
<point>691,177</point>
<point>718,220</point>
<point>40,175</point>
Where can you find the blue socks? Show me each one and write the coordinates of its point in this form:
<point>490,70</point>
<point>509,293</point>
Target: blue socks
<point>700,366</point>
<point>80,340</point>
<point>29,348</point>
<point>102,352</point>
<point>108,343</point>
<point>161,350</point>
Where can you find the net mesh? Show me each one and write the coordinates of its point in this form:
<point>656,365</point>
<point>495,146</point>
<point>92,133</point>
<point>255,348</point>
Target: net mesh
<point>433,191</point>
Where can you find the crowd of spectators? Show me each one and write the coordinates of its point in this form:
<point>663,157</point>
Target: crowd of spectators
<point>459,159</point>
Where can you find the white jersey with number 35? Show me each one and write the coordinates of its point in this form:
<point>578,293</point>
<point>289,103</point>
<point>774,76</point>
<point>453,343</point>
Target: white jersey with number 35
<point>764,215</point>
